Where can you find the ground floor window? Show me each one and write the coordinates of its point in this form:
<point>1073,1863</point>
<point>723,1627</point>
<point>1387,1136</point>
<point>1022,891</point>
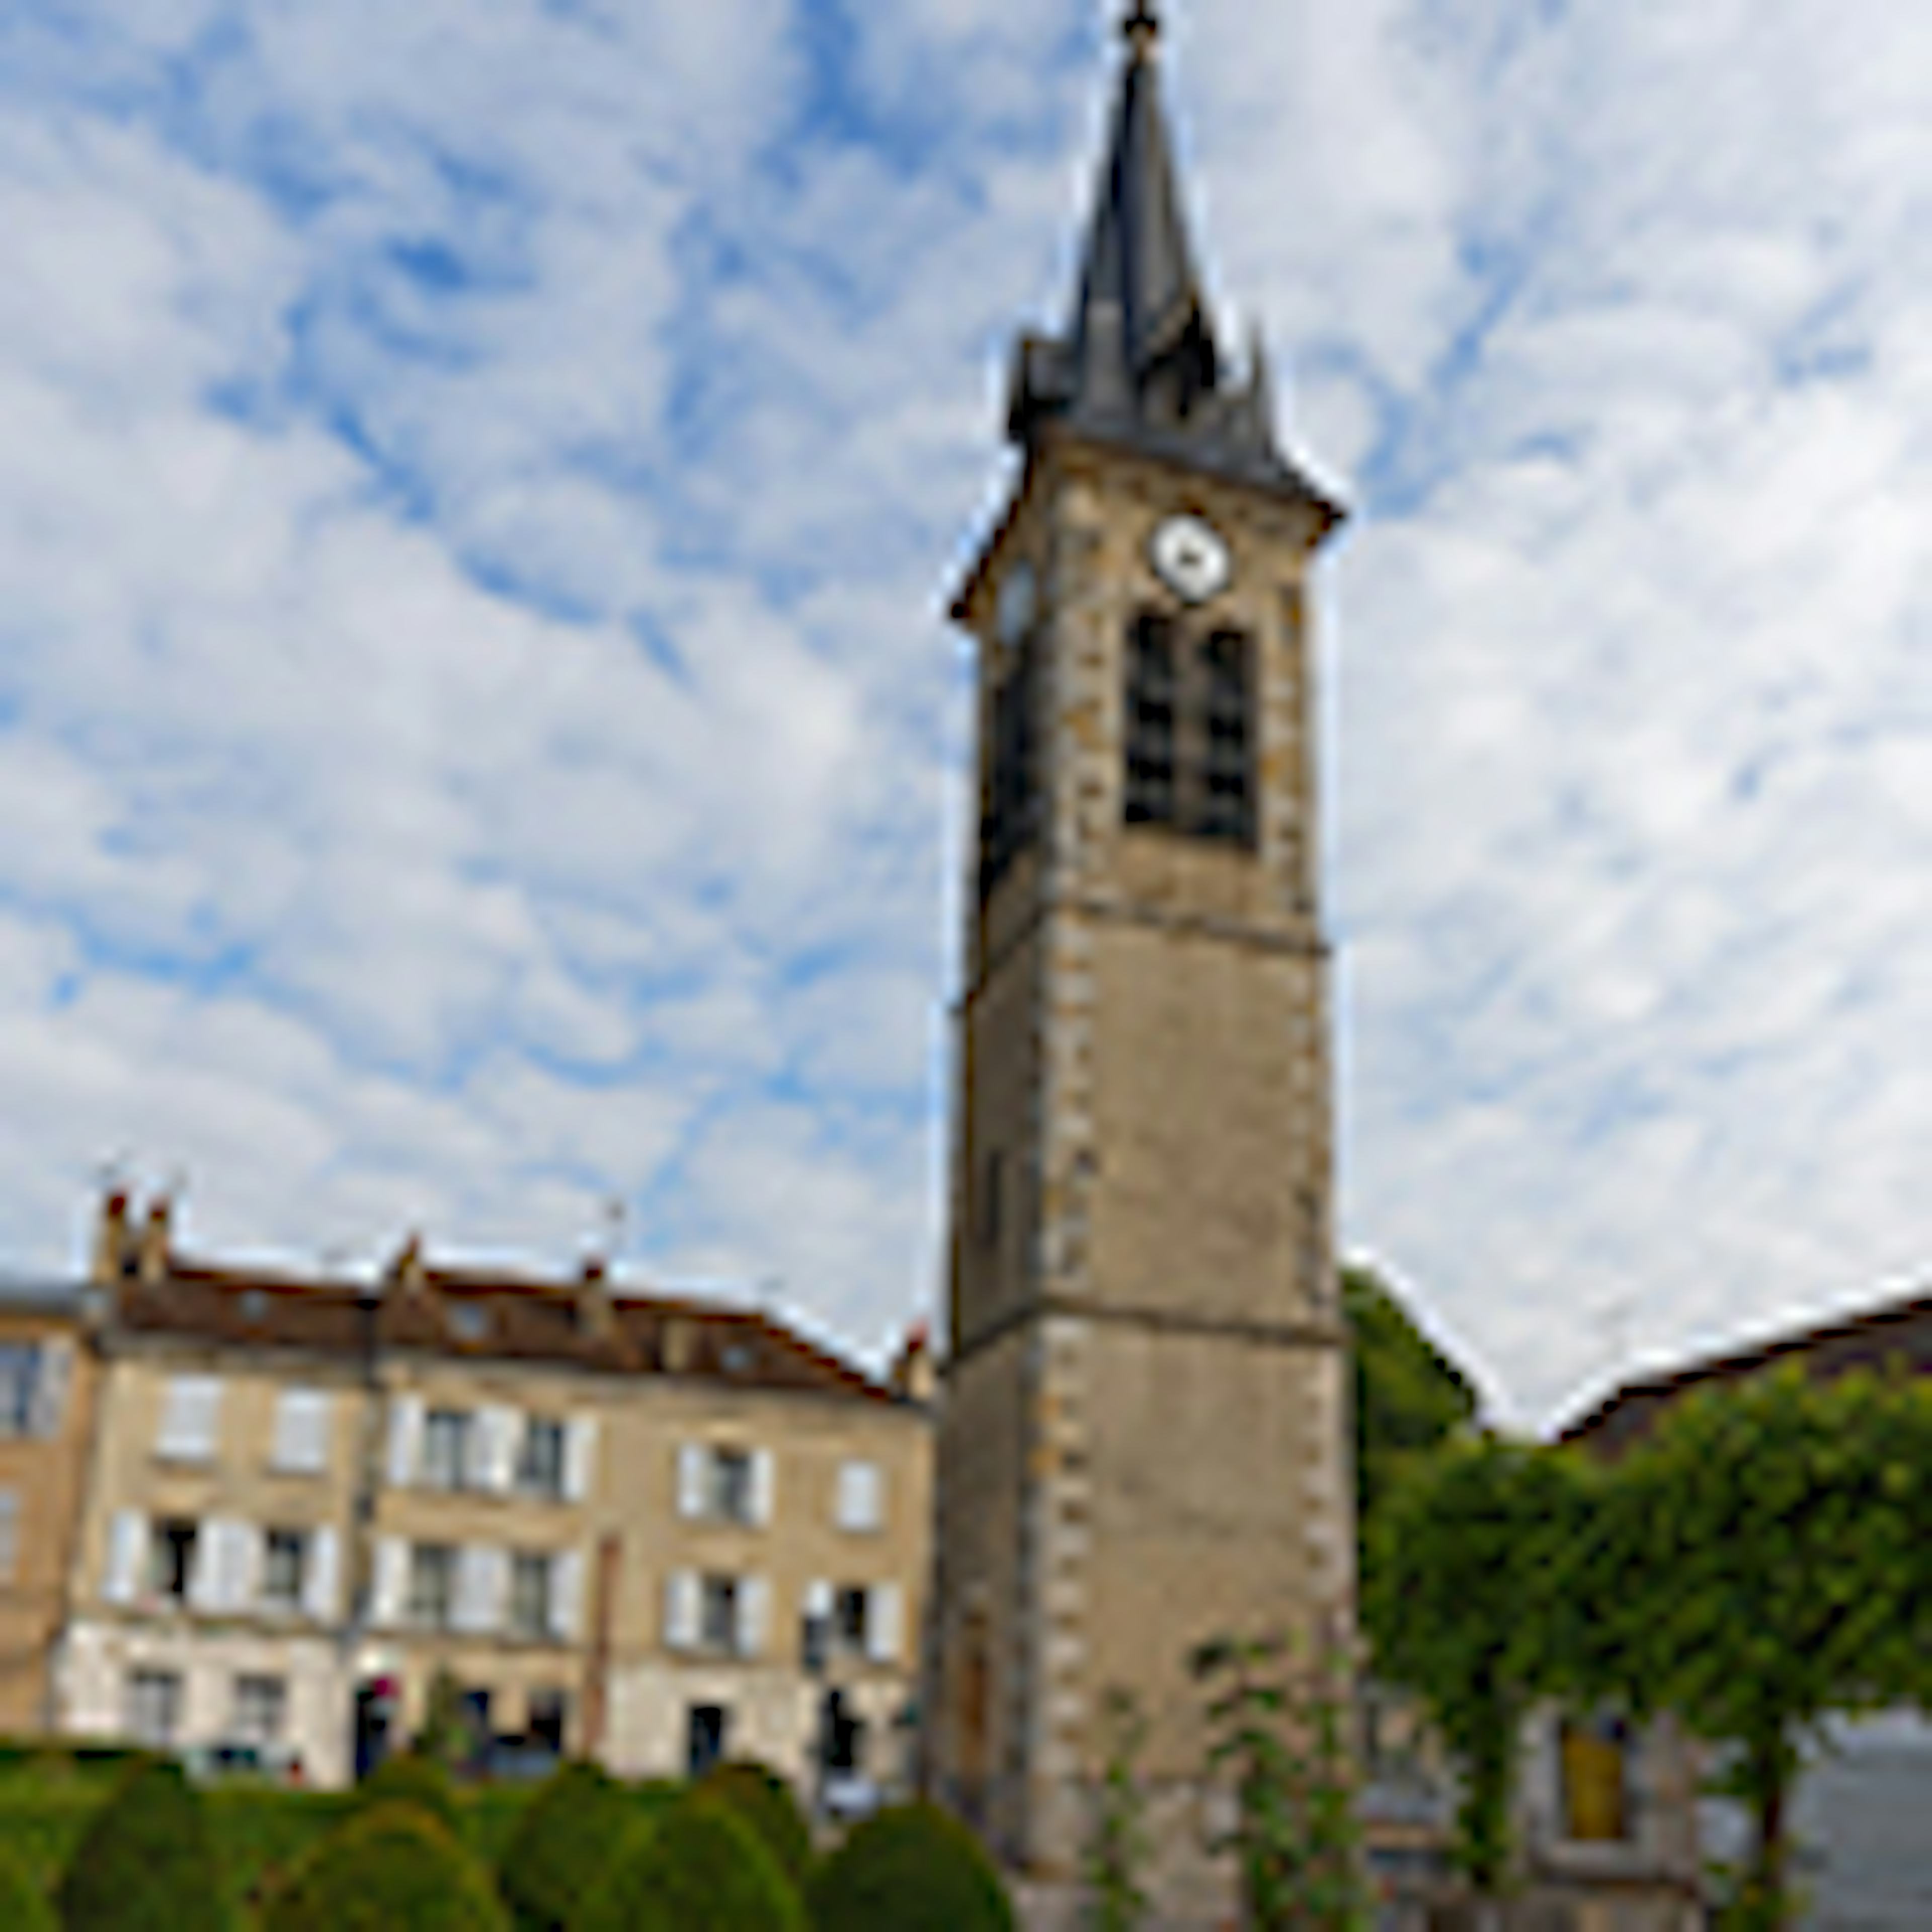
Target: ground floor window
<point>259,1709</point>
<point>843,1736</point>
<point>154,1704</point>
<point>707,1728</point>
<point>548,1719</point>
<point>1595,1754</point>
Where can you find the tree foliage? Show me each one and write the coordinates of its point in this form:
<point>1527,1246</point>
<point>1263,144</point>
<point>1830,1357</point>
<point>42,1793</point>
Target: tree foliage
<point>389,1865</point>
<point>699,1868</point>
<point>1466,1604</point>
<point>1118,1846</point>
<point>1762,1560</point>
<point>764,1801</point>
<point>569,1834</point>
<point>1409,1397</point>
<point>144,1863</point>
<point>910,1868</point>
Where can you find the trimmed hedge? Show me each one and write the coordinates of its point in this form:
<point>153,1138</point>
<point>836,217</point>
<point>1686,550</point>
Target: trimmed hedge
<point>913,1868</point>
<point>410,1778</point>
<point>765,1801</point>
<point>701,1868</point>
<point>569,1834</point>
<point>24,1906</point>
<point>393,1866</point>
<point>144,1863</point>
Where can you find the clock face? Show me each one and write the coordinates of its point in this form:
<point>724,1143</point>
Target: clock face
<point>1191,560</point>
<point>1019,599</point>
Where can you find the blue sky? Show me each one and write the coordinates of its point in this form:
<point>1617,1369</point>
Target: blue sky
<point>478,737</point>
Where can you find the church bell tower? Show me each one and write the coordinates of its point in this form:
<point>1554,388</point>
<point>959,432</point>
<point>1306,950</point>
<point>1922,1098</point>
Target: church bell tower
<point>1143,1431</point>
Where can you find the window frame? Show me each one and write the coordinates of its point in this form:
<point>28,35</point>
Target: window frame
<point>544,1478</point>
<point>525,1566</point>
<point>1205,746</point>
<point>168,1687</point>
<point>431,1609</point>
<point>277,1539</point>
<point>453,1429</point>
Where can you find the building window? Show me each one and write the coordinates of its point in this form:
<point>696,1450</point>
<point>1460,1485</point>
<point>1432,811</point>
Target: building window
<point>992,1186</point>
<point>1224,800</point>
<point>20,1381</point>
<point>10,1534</point>
<point>446,1451</point>
<point>540,1459</point>
<point>432,1597</point>
<point>1152,718</point>
<point>861,1497</point>
<point>717,1614</point>
<point>301,1432</point>
<point>284,1568</point>
<point>1595,1759</point>
<point>532,1576</point>
<point>707,1731</point>
<point>191,1419</point>
<point>1010,811</point>
<point>153,1708</point>
<point>850,1623</point>
<point>722,1485</point>
<point>548,1723</point>
<point>1190,736</point>
<point>171,1546</point>
<point>259,1709</point>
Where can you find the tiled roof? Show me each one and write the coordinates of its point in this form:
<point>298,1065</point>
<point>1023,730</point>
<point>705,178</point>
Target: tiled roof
<point>1897,1334</point>
<point>486,1317</point>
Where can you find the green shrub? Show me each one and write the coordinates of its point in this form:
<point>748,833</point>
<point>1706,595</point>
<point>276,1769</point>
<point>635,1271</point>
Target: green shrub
<point>700,1868</point>
<point>391,1867</point>
<point>765,1801</point>
<point>24,1906</point>
<point>144,1862</point>
<point>410,1778</point>
<point>911,1869</point>
<point>569,1833</point>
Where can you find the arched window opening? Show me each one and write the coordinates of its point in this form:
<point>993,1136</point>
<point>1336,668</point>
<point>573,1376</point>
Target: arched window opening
<point>1011,790</point>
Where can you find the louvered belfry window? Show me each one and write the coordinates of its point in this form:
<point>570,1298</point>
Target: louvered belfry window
<point>1011,810</point>
<point>1224,806</point>
<point>1152,718</point>
<point>1189,747</point>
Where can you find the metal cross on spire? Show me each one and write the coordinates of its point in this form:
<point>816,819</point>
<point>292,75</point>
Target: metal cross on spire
<point>1142,26</point>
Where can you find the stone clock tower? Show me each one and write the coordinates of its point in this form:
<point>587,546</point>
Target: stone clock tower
<point>1143,1433</point>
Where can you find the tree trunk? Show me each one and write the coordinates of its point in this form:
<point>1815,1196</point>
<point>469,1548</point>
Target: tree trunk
<point>1772,1764</point>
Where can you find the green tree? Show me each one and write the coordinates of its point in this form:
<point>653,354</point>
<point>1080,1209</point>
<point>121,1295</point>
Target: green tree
<point>24,1907</point>
<point>1409,1397</point>
<point>700,1868</point>
<point>144,1863</point>
<point>569,1833</point>
<point>1466,1606</point>
<point>1758,1563</point>
<point>390,1866</point>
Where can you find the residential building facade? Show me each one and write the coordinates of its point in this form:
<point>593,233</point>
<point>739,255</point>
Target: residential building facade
<point>646,1530</point>
<point>46,1389</point>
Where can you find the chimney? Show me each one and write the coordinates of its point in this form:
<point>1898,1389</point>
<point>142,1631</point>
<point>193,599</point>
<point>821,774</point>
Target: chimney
<point>154,1254</point>
<point>595,1316</point>
<point>913,1377</point>
<point>678,1345</point>
<point>406,1271</point>
<point>113,1238</point>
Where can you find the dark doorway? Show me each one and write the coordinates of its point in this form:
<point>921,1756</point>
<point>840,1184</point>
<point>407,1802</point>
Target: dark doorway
<point>375,1724</point>
<point>705,1734</point>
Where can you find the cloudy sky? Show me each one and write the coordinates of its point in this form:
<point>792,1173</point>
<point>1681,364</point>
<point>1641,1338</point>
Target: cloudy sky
<point>479,738</point>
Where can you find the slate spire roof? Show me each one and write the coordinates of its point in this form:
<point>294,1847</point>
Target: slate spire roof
<point>1139,362</point>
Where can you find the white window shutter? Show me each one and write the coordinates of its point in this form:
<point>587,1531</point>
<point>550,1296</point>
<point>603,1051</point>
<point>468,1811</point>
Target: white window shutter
<point>391,1581</point>
<point>302,1431</point>
<point>204,1580</point>
<point>126,1546</point>
<point>566,1595</point>
<point>323,1586</point>
<point>882,1618</point>
<point>580,1455</point>
<point>693,1464</point>
<point>406,1423</point>
<point>754,1605</point>
<point>859,1492</point>
<point>480,1571</point>
<point>497,1430</point>
<point>241,1579</point>
<point>818,1600</point>
<point>476,1452</point>
<point>191,1419</point>
<point>50,1385</point>
<point>764,1478</point>
<point>682,1609</point>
